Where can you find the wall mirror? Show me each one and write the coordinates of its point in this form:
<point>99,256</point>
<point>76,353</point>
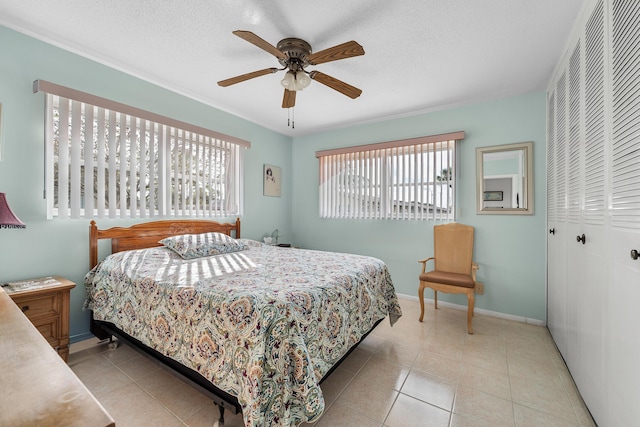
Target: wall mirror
<point>504,179</point>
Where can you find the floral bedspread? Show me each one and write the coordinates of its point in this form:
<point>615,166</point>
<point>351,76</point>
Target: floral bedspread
<point>264,324</point>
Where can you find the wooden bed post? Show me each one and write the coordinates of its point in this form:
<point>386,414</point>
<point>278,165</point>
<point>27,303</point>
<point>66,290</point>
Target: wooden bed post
<point>93,244</point>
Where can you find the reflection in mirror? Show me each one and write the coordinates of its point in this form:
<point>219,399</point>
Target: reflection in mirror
<point>504,181</point>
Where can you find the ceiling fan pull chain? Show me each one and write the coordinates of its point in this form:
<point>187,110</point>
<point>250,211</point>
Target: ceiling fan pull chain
<point>291,118</point>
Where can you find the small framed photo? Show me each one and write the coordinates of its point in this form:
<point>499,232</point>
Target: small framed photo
<point>492,196</point>
<point>272,181</point>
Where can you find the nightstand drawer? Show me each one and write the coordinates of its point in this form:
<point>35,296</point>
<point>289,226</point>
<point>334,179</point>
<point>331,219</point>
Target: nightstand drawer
<point>43,305</point>
<point>50,329</point>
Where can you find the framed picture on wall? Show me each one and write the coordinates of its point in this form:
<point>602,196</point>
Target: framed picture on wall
<point>493,196</point>
<point>272,181</point>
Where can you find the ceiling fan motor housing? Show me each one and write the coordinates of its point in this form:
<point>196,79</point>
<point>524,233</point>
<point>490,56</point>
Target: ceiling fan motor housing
<point>296,51</point>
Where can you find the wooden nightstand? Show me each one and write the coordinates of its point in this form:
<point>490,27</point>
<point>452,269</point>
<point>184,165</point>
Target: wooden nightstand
<point>39,389</point>
<point>45,302</point>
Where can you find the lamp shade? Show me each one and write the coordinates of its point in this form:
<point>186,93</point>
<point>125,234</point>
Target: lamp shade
<point>295,81</point>
<point>7,218</point>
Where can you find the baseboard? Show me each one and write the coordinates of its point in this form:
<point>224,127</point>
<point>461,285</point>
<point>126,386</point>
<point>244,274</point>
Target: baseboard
<point>80,337</point>
<point>83,345</point>
<point>497,314</point>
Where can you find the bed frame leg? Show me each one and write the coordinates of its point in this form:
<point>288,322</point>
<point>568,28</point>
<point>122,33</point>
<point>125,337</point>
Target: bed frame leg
<point>113,344</point>
<point>220,422</point>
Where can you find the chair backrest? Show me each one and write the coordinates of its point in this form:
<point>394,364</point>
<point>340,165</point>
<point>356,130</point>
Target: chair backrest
<point>453,247</point>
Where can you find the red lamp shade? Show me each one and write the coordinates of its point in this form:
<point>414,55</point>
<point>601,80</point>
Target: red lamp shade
<point>7,218</point>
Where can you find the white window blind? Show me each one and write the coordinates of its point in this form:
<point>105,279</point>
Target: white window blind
<point>410,179</point>
<point>106,159</point>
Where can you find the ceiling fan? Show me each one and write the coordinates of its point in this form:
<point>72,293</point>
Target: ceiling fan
<point>295,55</point>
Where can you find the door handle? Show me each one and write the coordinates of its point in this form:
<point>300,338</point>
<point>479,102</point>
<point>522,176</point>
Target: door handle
<point>552,231</point>
<point>582,239</point>
<point>634,254</point>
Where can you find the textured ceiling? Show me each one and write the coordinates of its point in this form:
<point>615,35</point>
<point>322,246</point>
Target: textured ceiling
<point>421,55</point>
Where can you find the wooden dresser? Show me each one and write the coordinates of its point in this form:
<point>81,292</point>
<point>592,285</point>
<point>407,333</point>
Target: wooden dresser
<point>38,388</point>
<point>47,307</point>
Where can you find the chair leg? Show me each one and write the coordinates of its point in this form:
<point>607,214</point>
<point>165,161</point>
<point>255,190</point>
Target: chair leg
<point>421,298</point>
<point>435,299</point>
<point>470,308</point>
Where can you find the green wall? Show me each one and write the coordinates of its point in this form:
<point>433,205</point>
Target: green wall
<point>60,247</point>
<point>510,249</point>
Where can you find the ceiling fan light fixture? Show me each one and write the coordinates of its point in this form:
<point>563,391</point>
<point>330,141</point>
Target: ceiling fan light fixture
<point>303,79</point>
<point>295,81</point>
<point>288,81</point>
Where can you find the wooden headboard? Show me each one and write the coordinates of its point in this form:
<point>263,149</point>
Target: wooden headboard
<point>147,234</point>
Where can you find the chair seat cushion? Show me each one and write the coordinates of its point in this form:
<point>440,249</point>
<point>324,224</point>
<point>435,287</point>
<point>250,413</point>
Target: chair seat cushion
<point>455,279</point>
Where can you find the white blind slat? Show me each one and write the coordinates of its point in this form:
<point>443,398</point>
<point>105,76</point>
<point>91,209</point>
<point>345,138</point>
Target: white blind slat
<point>76,150</point>
<point>112,201</point>
<point>63,160</point>
<point>144,161</point>
<point>49,155</point>
<point>153,169</point>
<point>134,149</point>
<point>122,186</point>
<point>89,165</point>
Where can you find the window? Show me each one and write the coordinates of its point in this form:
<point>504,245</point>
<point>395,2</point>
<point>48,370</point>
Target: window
<point>409,179</point>
<point>106,159</point>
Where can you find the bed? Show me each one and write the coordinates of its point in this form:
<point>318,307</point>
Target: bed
<point>258,327</point>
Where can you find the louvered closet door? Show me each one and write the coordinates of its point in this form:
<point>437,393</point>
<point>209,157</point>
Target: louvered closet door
<point>590,288</point>
<point>557,256</point>
<point>576,163</point>
<point>575,250</point>
<point>555,289</point>
<point>624,278</point>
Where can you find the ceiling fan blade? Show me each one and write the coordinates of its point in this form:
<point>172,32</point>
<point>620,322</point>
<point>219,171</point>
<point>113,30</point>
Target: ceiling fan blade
<point>261,43</point>
<point>248,76</point>
<point>341,51</point>
<point>289,99</point>
<point>342,87</point>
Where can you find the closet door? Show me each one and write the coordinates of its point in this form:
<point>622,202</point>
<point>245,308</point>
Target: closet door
<point>577,176</point>
<point>575,248</point>
<point>624,277</point>
<point>555,312</point>
<point>594,190</point>
<point>591,288</point>
<point>557,242</point>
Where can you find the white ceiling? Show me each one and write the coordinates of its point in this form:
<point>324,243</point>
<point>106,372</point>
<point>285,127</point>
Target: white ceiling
<point>421,55</point>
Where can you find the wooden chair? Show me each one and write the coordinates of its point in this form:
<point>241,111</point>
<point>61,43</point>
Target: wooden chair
<point>454,271</point>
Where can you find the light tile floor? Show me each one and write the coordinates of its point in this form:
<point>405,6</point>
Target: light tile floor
<point>412,374</point>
